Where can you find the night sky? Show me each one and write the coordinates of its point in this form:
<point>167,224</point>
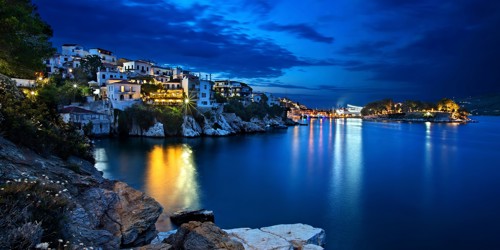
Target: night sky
<point>321,53</point>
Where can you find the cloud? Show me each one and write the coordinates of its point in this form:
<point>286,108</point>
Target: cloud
<point>167,33</point>
<point>450,49</point>
<point>300,30</point>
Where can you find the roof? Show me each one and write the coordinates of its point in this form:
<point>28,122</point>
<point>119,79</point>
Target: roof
<point>77,110</point>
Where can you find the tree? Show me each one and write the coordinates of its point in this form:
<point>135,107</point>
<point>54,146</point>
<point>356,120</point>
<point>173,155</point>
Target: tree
<point>447,105</point>
<point>24,39</point>
<point>90,65</point>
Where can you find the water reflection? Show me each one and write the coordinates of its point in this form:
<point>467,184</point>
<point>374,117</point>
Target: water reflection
<point>171,179</point>
<point>347,172</point>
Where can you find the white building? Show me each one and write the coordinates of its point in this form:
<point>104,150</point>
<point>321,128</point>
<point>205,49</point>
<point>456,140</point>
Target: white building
<point>198,91</point>
<point>105,55</point>
<point>73,50</point>
<point>350,110</point>
<point>205,94</point>
<point>24,83</point>
<point>123,94</point>
<point>161,71</point>
<point>101,123</point>
<point>104,76</point>
<point>138,67</point>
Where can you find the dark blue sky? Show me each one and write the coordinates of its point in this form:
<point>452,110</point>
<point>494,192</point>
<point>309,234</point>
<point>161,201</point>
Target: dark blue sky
<point>322,53</point>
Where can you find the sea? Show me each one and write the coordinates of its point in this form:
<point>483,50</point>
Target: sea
<point>369,185</point>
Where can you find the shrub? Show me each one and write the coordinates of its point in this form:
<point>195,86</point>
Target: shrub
<point>31,212</point>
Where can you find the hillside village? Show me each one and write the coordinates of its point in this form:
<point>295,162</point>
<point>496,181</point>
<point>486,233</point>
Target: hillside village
<point>117,86</point>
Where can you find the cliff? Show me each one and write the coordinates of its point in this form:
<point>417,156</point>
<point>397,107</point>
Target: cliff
<point>68,203</point>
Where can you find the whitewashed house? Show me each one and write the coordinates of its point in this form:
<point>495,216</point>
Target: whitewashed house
<point>105,55</point>
<point>198,91</point>
<point>138,67</point>
<point>123,94</point>
<point>101,123</point>
<point>73,50</point>
<point>205,94</point>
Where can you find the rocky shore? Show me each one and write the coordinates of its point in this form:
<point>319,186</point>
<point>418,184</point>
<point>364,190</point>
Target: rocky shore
<point>69,200</point>
<point>219,124</point>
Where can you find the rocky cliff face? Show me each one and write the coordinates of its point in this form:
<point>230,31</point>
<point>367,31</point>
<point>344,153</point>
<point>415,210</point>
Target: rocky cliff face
<point>222,124</point>
<point>94,211</point>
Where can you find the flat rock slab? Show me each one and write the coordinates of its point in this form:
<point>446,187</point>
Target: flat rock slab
<point>298,234</point>
<point>255,239</point>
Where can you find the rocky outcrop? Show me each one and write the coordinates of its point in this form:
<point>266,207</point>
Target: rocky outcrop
<point>97,212</point>
<point>201,215</point>
<point>196,235</point>
<point>190,128</point>
<point>239,125</point>
<point>155,131</point>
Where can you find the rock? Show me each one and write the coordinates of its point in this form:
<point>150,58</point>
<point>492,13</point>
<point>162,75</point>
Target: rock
<point>99,213</point>
<point>298,234</point>
<point>201,215</point>
<point>137,214</point>
<point>190,128</point>
<point>157,246</point>
<point>154,131</point>
<point>292,236</point>
<point>217,126</point>
<point>256,239</point>
<point>197,236</point>
<point>162,235</point>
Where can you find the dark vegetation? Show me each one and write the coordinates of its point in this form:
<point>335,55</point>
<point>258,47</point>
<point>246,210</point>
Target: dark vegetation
<point>145,116</point>
<point>24,39</point>
<point>30,118</point>
<point>410,109</point>
<point>31,212</point>
<point>254,109</point>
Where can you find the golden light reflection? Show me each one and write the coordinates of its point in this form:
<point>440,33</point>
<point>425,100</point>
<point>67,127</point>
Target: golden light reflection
<point>171,180</point>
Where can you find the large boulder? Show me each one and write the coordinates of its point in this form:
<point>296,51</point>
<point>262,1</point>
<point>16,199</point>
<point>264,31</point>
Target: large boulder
<point>137,214</point>
<point>197,236</point>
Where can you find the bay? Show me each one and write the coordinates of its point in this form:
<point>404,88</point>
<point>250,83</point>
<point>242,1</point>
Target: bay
<point>370,185</point>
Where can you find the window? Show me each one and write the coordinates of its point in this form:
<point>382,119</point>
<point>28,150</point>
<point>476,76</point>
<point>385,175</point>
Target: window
<point>129,96</point>
<point>103,76</point>
<point>142,67</point>
<point>122,88</point>
<point>203,94</point>
<point>121,77</point>
<point>205,86</point>
<point>204,103</point>
<point>137,67</point>
<point>65,59</point>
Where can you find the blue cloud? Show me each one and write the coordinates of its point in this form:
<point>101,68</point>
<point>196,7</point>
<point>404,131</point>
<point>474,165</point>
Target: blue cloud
<point>300,30</point>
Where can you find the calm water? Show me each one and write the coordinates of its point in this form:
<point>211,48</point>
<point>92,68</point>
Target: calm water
<point>369,185</point>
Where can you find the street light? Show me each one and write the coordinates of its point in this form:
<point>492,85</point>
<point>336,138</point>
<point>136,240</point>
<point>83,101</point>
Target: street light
<point>74,92</point>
